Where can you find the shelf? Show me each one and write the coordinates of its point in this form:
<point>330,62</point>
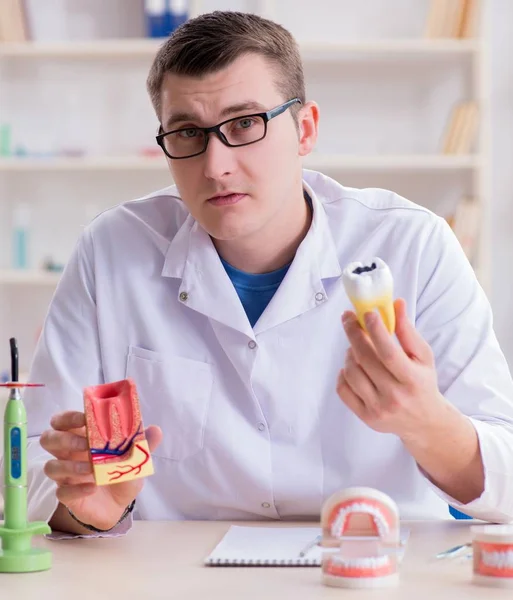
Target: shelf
<point>28,277</point>
<point>402,49</point>
<point>87,163</point>
<point>407,162</point>
<point>121,48</point>
<point>332,162</point>
<point>146,48</point>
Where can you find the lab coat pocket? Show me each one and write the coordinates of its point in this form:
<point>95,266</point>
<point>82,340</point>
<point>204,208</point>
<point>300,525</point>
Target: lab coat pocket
<point>174,393</point>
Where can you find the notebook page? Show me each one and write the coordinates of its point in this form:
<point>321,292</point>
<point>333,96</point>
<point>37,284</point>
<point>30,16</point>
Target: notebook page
<point>264,545</point>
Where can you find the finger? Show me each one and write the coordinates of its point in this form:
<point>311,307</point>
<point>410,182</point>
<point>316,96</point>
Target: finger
<point>365,353</point>
<point>69,472</point>
<point>359,382</point>
<point>71,419</point>
<point>154,436</point>
<point>413,344</point>
<point>62,444</point>
<point>70,493</point>
<point>389,354</point>
<point>349,398</point>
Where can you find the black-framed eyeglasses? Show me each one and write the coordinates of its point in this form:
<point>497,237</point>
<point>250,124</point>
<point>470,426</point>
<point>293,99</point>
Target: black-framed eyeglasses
<point>238,131</point>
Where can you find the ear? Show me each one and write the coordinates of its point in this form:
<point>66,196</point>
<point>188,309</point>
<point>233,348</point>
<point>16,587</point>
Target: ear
<point>308,121</point>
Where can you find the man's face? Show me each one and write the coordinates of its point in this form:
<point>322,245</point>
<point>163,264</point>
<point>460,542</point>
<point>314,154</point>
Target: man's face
<point>262,177</point>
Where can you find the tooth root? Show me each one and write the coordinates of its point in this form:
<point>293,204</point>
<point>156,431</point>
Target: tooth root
<point>387,313</point>
<point>383,304</point>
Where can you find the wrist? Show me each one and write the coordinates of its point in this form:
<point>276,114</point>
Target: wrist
<point>430,431</point>
<point>102,527</point>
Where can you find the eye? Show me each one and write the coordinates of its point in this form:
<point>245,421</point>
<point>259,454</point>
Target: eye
<point>244,123</point>
<point>188,133</point>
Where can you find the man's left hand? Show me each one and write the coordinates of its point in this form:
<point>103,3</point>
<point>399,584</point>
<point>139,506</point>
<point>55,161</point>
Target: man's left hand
<point>391,387</point>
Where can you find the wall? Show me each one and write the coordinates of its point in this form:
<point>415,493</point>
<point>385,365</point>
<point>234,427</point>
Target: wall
<point>102,107</point>
<point>501,52</point>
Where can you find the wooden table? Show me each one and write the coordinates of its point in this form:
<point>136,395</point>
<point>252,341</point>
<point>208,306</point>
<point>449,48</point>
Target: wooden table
<point>165,560</point>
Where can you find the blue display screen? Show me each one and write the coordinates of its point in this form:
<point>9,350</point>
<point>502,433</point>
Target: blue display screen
<point>15,452</point>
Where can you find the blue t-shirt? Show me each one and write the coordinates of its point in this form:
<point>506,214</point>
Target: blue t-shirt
<point>255,290</point>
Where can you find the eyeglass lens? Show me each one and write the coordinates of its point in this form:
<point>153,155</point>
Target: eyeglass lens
<point>239,131</point>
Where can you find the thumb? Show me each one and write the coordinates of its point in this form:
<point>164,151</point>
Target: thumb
<point>154,436</point>
<point>410,339</point>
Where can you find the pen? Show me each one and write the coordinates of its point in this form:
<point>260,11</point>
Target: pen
<point>452,551</point>
<point>310,545</point>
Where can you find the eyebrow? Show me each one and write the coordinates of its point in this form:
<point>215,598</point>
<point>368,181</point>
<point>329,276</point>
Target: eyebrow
<point>240,107</point>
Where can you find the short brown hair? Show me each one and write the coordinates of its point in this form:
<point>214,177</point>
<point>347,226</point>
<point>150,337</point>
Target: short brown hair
<point>212,41</point>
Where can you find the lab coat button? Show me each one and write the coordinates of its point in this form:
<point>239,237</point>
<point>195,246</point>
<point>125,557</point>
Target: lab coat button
<point>319,296</point>
<point>261,426</point>
<point>266,505</point>
<point>251,344</point>
<point>184,296</point>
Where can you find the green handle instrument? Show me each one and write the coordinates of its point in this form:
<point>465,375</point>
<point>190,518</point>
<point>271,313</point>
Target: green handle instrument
<point>17,554</point>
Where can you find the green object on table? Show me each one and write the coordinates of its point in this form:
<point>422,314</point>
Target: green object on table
<point>17,554</point>
<point>5,140</point>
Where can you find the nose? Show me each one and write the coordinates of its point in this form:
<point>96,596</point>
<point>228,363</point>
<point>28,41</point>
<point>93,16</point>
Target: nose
<point>219,159</point>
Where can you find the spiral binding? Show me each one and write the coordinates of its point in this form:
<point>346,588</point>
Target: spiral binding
<point>291,562</point>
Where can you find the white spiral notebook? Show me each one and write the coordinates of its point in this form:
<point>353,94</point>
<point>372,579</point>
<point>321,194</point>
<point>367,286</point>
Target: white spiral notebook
<point>266,546</point>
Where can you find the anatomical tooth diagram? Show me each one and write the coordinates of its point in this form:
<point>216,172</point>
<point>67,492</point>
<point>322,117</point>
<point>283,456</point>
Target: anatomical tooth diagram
<point>118,447</point>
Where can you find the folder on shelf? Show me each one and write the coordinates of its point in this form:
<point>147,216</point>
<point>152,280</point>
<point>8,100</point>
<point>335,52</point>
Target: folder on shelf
<point>461,129</point>
<point>459,9</point>
<point>452,19</point>
<point>470,19</point>
<point>436,17</point>
<point>465,225</point>
<point>13,21</point>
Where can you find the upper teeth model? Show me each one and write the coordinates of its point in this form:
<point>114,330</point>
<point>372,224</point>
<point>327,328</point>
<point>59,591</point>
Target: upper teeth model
<point>492,549</point>
<point>370,286</point>
<point>362,527</point>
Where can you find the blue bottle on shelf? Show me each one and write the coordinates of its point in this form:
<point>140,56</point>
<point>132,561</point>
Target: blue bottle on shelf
<point>157,18</point>
<point>178,12</point>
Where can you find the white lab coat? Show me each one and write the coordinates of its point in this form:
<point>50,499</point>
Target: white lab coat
<point>253,427</point>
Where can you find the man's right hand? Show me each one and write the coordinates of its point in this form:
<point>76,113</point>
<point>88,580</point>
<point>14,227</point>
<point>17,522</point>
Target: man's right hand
<point>100,506</point>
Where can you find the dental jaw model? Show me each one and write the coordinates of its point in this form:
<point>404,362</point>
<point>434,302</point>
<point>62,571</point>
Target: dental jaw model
<point>492,549</point>
<point>370,286</point>
<point>361,525</point>
<point>117,443</point>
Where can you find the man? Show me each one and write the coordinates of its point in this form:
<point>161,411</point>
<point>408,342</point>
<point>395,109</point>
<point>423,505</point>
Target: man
<point>222,298</point>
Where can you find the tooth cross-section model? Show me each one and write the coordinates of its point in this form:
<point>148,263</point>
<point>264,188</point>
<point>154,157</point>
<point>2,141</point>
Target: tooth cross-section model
<point>117,443</point>
<point>361,525</point>
<point>370,286</point>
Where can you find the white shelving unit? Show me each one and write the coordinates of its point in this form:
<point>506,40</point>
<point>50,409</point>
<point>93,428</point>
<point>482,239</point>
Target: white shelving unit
<point>28,277</point>
<point>340,162</point>
<point>403,49</point>
<point>367,53</point>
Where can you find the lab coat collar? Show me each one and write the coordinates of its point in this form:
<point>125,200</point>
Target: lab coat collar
<point>206,287</point>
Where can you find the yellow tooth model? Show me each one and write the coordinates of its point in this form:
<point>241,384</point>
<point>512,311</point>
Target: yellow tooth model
<point>370,286</point>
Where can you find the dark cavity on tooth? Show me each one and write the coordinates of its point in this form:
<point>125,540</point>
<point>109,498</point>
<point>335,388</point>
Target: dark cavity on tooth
<point>360,270</point>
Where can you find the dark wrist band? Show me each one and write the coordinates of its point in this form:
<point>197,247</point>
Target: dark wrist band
<point>127,511</point>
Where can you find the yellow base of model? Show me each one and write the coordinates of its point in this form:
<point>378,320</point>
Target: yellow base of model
<point>385,307</point>
<point>139,464</point>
